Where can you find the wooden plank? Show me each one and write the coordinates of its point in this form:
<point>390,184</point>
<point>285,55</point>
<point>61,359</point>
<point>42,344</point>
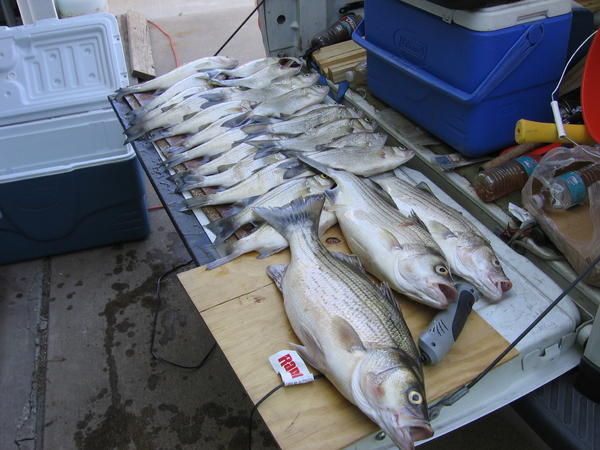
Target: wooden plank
<point>359,53</point>
<point>338,48</point>
<point>337,72</point>
<point>140,49</point>
<point>244,312</point>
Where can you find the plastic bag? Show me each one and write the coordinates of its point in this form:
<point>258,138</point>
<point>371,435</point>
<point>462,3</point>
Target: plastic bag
<point>574,231</point>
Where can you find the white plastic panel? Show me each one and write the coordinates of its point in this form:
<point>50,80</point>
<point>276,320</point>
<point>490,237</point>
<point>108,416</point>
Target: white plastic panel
<point>497,17</point>
<point>59,66</point>
<point>53,146</point>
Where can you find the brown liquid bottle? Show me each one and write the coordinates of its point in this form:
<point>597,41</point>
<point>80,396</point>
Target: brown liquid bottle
<point>499,181</point>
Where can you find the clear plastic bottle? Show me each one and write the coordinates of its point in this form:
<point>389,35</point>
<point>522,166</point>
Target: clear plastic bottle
<point>357,76</point>
<point>570,189</point>
<point>499,181</point>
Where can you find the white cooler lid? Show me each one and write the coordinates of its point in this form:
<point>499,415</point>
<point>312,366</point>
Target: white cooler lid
<point>56,67</point>
<point>497,17</point>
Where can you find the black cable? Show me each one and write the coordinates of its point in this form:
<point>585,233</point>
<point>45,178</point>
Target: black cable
<point>153,351</point>
<point>239,27</point>
<point>463,390</point>
<point>258,403</point>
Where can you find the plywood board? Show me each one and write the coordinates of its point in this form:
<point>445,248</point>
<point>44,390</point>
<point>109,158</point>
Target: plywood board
<point>140,49</point>
<point>244,312</point>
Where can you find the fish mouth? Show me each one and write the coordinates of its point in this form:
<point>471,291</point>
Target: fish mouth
<point>495,288</point>
<point>406,436</point>
<point>440,295</point>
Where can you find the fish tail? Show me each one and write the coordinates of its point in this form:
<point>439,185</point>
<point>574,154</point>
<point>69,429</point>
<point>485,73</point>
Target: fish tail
<point>175,159</point>
<point>175,150</point>
<point>197,202</point>
<point>303,212</point>
<point>231,251</point>
<point>135,132</point>
<point>156,135</point>
<point>198,181</point>
<point>122,92</point>
<point>224,227</point>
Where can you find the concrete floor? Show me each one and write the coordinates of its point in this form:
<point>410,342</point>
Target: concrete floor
<point>75,329</point>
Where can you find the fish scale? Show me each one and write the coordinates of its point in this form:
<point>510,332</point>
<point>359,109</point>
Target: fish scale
<point>378,312</point>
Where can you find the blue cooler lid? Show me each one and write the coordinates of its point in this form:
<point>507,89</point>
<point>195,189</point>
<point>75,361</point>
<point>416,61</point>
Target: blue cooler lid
<point>496,17</point>
<point>56,67</point>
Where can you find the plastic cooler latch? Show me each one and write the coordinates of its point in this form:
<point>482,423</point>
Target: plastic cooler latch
<point>524,45</point>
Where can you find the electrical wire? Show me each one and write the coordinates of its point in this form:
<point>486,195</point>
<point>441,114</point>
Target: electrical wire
<point>239,27</point>
<point>455,395</point>
<point>171,42</point>
<point>153,351</point>
<point>568,63</point>
<point>260,402</point>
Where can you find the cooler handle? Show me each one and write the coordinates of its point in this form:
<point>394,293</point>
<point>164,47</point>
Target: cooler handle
<point>526,43</point>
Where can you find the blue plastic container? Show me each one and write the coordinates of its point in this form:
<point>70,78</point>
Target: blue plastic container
<point>67,182</point>
<point>468,87</point>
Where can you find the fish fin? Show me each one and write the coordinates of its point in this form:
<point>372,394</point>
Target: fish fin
<point>276,273</point>
<point>347,335</point>
<point>189,116</point>
<point>332,195</point>
<point>168,107</point>
<point>197,202</point>
<point>257,127</point>
<point>235,121</point>
<point>224,227</point>
<point>213,97</point>
<point>387,293</point>
<point>316,165</point>
<point>188,185</point>
<point>293,169</point>
<point>389,240</point>
<point>225,248</point>
<point>122,92</point>
<point>175,160</point>
<point>262,152</point>
<point>225,167</point>
<point>312,354</point>
<point>265,252</point>
<point>413,216</point>
<point>351,260</point>
<point>438,229</point>
<point>246,201</point>
<point>303,211</point>
<point>425,188</point>
<point>175,150</point>
<point>160,133</point>
<point>135,132</point>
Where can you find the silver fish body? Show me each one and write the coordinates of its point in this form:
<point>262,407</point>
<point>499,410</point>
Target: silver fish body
<point>352,330</point>
<point>278,196</point>
<point>363,161</point>
<point>263,77</point>
<point>312,139</point>
<point>191,82</point>
<point>265,240</point>
<point>178,99</point>
<point>302,123</point>
<point>467,251</point>
<point>256,184</point>
<point>228,158</point>
<point>234,174</point>
<point>247,69</point>
<point>170,78</point>
<point>219,144</point>
<point>290,102</point>
<point>392,247</point>
<point>359,139</point>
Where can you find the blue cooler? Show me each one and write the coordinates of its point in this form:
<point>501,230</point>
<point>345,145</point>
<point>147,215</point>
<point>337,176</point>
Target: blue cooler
<point>466,76</point>
<point>67,182</point>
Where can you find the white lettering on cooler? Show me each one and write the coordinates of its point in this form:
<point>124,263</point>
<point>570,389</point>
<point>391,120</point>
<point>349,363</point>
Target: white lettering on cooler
<point>291,367</point>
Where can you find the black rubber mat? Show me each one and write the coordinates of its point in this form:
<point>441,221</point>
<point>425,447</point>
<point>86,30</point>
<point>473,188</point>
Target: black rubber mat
<point>561,415</point>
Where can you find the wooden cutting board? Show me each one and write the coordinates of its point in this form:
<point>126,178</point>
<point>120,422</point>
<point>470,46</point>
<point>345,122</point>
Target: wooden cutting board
<point>244,312</point>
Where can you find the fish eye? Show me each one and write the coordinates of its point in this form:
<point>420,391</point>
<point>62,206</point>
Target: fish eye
<point>495,263</point>
<point>415,397</point>
<point>441,269</point>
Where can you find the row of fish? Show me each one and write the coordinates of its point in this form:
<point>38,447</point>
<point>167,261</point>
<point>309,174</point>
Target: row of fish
<point>294,166</point>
